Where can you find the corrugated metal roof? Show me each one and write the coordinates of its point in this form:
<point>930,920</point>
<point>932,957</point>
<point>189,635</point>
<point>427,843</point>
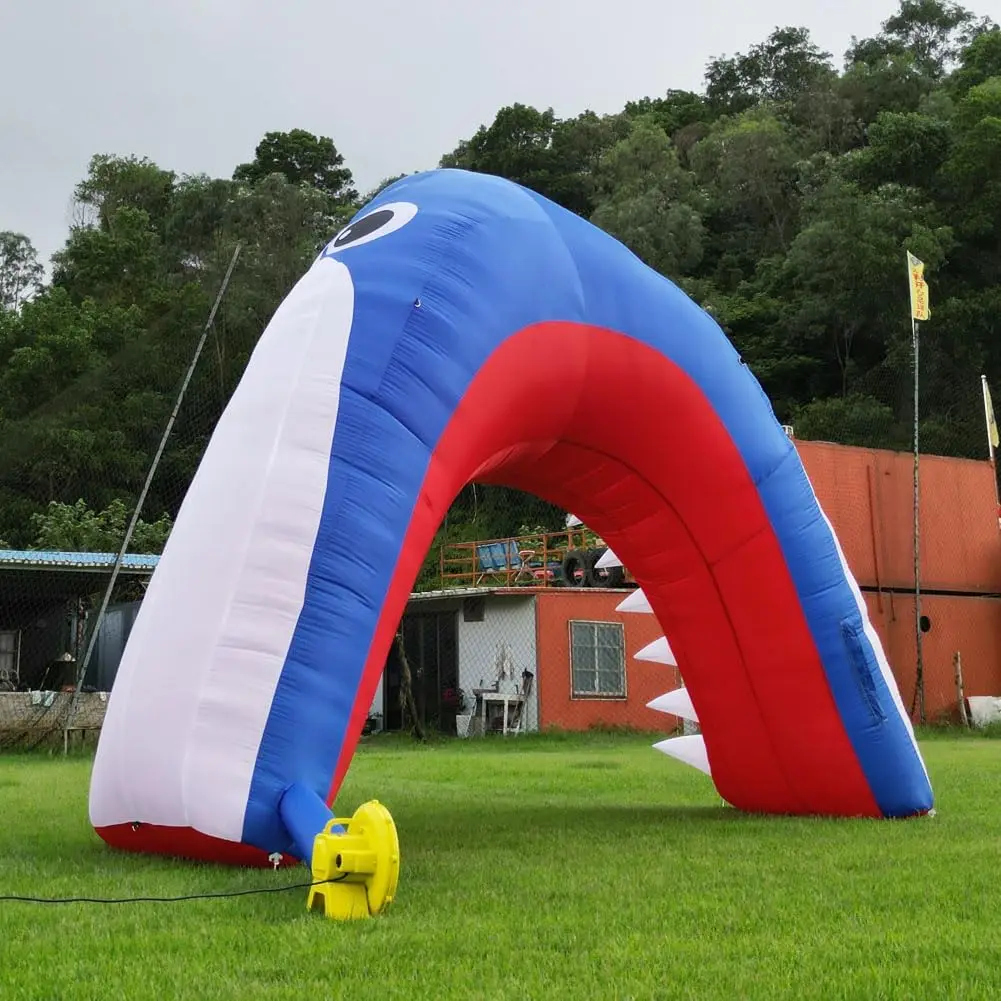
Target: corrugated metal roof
<point>40,559</point>
<point>36,559</point>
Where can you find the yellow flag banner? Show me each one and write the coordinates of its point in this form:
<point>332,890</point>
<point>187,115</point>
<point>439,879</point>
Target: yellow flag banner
<point>920,309</point>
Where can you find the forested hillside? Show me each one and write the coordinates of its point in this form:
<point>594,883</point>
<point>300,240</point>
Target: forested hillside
<point>782,197</point>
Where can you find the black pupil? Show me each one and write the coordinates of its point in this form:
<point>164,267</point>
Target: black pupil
<point>371,222</point>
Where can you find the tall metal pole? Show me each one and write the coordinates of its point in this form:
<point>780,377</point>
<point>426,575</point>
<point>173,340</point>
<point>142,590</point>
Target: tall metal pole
<point>919,679</point>
<point>92,642</point>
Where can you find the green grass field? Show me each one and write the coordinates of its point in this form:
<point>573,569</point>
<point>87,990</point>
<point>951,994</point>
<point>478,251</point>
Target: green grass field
<point>540,867</point>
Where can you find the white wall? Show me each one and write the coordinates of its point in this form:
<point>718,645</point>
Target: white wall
<point>508,625</point>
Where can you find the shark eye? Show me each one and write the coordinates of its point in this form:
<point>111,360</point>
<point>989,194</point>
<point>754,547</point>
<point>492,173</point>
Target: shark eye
<point>376,224</point>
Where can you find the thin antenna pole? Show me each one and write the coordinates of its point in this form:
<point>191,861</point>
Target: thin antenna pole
<point>92,642</point>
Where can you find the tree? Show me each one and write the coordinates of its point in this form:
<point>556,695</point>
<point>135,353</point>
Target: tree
<point>301,158</point>
<point>117,182</point>
<point>647,200</point>
<point>841,281</point>
<point>904,148</point>
<point>854,419</point>
<point>20,272</point>
<point>380,187</point>
<point>518,145</point>
<point>198,212</point>
<point>581,146</point>
<point>747,165</point>
<point>978,62</point>
<point>77,528</point>
<point>910,57</point>
<point>119,261</point>
<point>890,81</point>
<point>683,115</point>
<point>780,70</point>
<point>973,170</point>
<point>50,347</point>
<point>933,32</point>
<point>534,148</point>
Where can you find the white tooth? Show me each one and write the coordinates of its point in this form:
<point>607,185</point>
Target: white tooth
<point>676,703</point>
<point>658,652</point>
<point>635,601</point>
<point>608,559</point>
<point>691,750</point>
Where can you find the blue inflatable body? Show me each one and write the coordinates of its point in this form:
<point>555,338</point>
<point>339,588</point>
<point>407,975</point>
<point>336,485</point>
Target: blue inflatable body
<point>461,329</point>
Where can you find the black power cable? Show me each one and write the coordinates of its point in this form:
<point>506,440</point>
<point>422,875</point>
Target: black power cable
<point>168,900</point>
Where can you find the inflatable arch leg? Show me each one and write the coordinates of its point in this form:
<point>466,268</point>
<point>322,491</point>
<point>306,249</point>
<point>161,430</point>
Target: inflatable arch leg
<point>465,329</point>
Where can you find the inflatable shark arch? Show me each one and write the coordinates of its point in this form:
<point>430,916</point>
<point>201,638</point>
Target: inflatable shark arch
<point>460,329</point>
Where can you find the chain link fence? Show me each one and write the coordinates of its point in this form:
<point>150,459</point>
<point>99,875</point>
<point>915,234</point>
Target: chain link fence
<point>512,626</point>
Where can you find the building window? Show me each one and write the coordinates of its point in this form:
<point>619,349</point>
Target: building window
<point>598,660</point>
<point>8,660</point>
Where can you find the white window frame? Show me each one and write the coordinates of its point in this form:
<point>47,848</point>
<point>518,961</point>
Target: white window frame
<point>597,696</point>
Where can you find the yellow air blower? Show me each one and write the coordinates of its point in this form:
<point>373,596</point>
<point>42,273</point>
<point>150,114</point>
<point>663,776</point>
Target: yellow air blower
<point>356,870</point>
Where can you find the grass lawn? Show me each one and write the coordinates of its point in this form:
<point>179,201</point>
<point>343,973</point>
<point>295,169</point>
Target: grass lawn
<point>540,867</point>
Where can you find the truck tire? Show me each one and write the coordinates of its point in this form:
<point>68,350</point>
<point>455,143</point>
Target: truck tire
<point>575,572</point>
<point>603,576</point>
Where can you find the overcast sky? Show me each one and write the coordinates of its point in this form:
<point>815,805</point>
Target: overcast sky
<point>194,84</point>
